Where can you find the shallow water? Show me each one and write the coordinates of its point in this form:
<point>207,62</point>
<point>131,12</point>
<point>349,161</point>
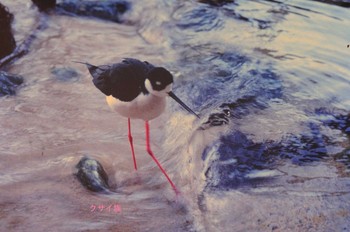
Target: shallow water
<point>271,76</point>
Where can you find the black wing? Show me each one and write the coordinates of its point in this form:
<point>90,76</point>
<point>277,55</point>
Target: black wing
<point>124,81</point>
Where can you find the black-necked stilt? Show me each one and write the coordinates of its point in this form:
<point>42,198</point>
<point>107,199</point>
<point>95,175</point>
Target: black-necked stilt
<point>136,90</point>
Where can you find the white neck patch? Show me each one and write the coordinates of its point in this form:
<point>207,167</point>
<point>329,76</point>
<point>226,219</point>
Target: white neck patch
<point>148,86</point>
<point>162,93</point>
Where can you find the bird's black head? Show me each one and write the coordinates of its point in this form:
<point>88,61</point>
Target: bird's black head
<point>159,81</point>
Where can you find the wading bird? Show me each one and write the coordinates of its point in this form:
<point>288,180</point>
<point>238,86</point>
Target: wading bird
<point>136,90</point>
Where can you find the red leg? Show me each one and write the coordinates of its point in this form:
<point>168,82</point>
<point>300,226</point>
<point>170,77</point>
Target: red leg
<point>131,143</point>
<point>155,159</point>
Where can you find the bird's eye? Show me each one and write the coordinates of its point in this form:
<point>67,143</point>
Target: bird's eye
<point>158,83</point>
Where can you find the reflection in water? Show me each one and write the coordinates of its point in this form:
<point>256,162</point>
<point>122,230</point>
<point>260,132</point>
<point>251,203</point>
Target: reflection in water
<point>270,152</point>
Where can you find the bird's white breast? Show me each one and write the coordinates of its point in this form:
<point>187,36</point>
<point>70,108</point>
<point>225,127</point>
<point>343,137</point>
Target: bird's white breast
<point>145,107</point>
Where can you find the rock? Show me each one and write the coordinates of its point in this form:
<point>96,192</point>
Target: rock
<point>216,2</point>
<point>347,130</point>
<point>343,3</point>
<point>234,159</point>
<point>65,74</point>
<point>216,119</point>
<point>108,10</point>
<point>45,5</point>
<point>9,83</point>
<point>7,41</point>
<point>92,175</point>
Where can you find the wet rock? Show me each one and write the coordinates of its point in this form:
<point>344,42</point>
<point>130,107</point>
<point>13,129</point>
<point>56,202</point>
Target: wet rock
<point>216,2</point>
<point>92,175</point>
<point>233,158</point>
<point>216,119</point>
<point>7,41</point>
<point>236,109</point>
<point>45,5</point>
<point>343,3</point>
<point>339,121</point>
<point>9,83</point>
<point>108,10</point>
<point>65,74</point>
<point>344,158</point>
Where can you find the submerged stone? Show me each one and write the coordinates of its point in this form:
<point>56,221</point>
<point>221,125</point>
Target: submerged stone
<point>108,10</point>
<point>7,41</point>
<point>92,175</point>
<point>216,2</point>
<point>65,74</point>
<point>9,83</point>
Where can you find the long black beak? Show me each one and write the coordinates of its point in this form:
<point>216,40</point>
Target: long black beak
<point>173,96</point>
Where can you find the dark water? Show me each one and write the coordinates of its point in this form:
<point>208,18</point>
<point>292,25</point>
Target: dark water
<point>270,80</point>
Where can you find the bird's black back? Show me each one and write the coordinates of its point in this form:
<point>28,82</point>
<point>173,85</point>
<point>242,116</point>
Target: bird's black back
<point>124,81</point>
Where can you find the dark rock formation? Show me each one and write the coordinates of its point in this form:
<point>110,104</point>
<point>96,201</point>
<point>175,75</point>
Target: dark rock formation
<point>9,83</point>
<point>108,10</point>
<point>343,3</point>
<point>234,157</point>
<point>45,5</point>
<point>216,2</point>
<point>7,41</point>
<point>92,175</point>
